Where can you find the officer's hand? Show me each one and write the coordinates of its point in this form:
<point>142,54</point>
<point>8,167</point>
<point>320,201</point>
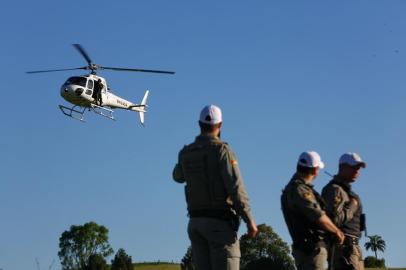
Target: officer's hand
<point>252,229</point>
<point>340,237</point>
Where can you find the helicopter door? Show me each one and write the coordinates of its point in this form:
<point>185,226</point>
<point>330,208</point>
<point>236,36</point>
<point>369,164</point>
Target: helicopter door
<point>89,90</point>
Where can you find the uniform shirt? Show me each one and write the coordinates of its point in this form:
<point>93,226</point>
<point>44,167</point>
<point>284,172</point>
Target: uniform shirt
<point>302,207</point>
<point>337,195</point>
<point>212,175</point>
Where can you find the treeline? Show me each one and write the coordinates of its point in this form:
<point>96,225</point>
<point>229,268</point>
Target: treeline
<point>154,263</point>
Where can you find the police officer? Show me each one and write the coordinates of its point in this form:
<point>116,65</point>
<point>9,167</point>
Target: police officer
<point>98,91</point>
<point>345,208</point>
<point>215,195</point>
<point>304,213</point>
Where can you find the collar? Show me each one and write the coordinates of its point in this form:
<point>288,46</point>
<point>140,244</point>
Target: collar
<point>207,138</point>
<point>297,177</point>
<point>341,181</point>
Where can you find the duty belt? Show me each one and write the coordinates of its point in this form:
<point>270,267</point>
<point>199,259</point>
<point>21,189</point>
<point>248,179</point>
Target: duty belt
<point>350,240</point>
<point>212,213</point>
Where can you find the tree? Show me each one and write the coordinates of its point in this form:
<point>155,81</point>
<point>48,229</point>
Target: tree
<point>372,262</point>
<point>96,262</point>
<point>82,241</point>
<point>121,261</point>
<point>266,251</point>
<point>187,262</point>
<point>375,243</point>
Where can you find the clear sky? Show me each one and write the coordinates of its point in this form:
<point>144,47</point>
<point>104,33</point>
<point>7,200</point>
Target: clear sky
<point>290,76</point>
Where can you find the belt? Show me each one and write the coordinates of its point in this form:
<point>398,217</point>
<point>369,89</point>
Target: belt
<point>350,240</point>
<point>212,213</point>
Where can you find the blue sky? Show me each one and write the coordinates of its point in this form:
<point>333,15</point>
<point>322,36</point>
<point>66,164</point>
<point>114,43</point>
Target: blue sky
<point>290,76</point>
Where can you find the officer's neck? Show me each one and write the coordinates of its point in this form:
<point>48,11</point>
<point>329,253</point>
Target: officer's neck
<point>307,178</point>
<point>214,133</point>
<point>344,179</point>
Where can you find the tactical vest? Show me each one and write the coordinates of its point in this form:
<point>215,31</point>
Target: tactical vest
<point>204,185</point>
<point>305,234</point>
<point>353,226</point>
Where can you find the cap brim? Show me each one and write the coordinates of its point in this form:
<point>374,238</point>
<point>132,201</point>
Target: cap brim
<point>321,165</point>
<point>362,164</point>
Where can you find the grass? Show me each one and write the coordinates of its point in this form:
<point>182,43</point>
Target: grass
<point>156,266</point>
<point>171,266</point>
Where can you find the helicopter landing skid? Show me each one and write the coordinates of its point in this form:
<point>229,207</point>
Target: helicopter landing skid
<point>72,112</point>
<point>103,111</point>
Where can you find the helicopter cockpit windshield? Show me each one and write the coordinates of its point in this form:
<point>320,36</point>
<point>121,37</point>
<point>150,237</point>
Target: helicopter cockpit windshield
<point>81,81</point>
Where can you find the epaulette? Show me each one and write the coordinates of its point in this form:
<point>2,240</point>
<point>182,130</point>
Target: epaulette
<point>218,142</point>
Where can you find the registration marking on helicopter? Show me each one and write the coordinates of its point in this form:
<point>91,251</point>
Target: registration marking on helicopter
<point>122,103</point>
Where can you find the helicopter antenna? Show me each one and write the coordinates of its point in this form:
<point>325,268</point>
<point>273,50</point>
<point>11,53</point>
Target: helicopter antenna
<point>329,174</point>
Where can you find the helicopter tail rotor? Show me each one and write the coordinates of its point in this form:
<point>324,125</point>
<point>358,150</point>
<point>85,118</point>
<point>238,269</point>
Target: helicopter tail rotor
<point>140,108</point>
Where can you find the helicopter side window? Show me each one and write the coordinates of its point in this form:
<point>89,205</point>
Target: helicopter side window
<point>81,81</point>
<point>90,84</point>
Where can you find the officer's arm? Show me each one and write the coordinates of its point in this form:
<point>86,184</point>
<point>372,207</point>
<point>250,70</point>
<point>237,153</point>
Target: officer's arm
<point>341,211</point>
<point>177,173</point>
<point>326,224</point>
<point>233,183</point>
<point>304,199</point>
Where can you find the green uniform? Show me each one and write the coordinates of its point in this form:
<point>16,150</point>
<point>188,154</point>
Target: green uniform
<point>347,216</point>
<point>216,198</point>
<point>302,207</point>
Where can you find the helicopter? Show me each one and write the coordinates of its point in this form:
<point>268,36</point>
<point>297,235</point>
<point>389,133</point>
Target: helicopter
<point>91,92</point>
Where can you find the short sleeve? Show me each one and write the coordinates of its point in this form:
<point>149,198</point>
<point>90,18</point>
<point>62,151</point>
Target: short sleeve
<point>306,201</point>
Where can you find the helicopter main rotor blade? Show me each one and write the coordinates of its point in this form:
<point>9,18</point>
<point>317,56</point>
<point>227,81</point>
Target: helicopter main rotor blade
<point>83,53</point>
<point>139,70</point>
<point>52,70</point>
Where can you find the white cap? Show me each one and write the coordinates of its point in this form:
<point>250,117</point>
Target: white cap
<point>310,159</point>
<point>352,159</point>
<point>211,114</point>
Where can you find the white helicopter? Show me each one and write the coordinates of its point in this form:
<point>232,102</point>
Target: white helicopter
<point>91,92</point>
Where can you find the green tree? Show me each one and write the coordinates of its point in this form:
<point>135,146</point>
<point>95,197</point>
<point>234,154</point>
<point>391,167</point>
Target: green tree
<point>375,243</point>
<point>96,262</point>
<point>187,260</point>
<point>122,261</point>
<point>266,251</point>
<point>372,262</point>
<point>80,242</point>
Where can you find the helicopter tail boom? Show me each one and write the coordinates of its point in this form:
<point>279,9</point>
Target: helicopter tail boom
<point>140,108</point>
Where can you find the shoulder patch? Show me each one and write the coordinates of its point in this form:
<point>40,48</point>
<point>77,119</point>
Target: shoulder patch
<point>234,162</point>
<point>337,201</point>
<point>308,196</point>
